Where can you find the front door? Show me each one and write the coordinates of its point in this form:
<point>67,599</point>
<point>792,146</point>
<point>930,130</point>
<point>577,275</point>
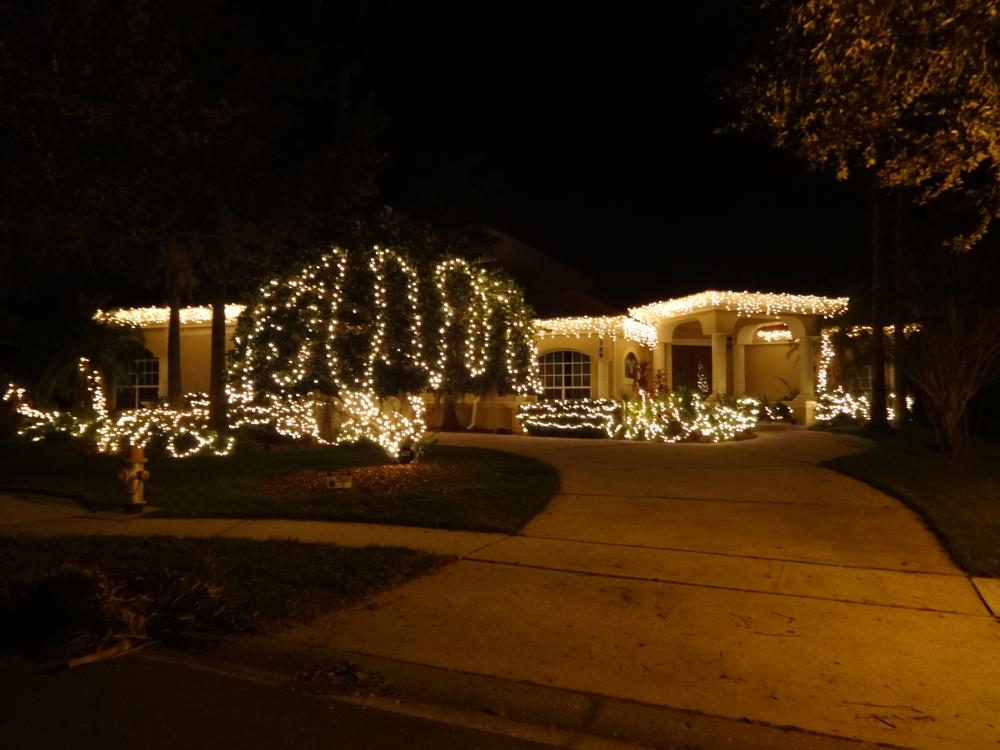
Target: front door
<point>692,368</point>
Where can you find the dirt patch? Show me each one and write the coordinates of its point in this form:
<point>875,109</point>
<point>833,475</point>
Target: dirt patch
<point>368,480</point>
<point>344,678</point>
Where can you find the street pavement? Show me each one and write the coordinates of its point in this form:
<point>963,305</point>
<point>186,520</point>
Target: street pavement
<point>139,703</point>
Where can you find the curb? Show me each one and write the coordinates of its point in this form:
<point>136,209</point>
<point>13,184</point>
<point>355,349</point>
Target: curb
<point>528,703</point>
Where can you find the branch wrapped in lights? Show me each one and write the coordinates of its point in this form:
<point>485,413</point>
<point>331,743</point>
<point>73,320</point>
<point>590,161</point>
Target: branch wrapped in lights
<point>364,327</point>
<point>280,337</point>
<point>392,428</point>
<point>828,349</point>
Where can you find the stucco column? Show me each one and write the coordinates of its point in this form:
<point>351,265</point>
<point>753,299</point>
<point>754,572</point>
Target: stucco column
<point>807,378</point>
<point>668,364</point>
<point>739,370</point>
<point>720,375</point>
<point>603,387</point>
<point>657,358</point>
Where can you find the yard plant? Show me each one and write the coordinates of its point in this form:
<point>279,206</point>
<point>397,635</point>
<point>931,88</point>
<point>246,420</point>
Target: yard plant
<point>65,596</point>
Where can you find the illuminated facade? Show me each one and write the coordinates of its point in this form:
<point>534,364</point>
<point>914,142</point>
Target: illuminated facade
<point>763,345</point>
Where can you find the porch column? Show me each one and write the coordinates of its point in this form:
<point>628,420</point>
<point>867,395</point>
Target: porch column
<point>668,365</point>
<point>658,358</point>
<point>603,388</point>
<point>720,375</point>
<point>739,369</point>
<point>807,378</point>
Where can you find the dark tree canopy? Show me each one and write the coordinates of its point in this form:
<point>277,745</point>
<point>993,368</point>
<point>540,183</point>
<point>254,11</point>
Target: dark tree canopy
<point>909,90</point>
<point>152,146</point>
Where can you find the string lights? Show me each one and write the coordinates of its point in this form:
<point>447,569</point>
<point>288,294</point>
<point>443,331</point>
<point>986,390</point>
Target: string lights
<point>745,303</point>
<point>569,416</point>
<point>837,402</point>
<point>605,327</point>
<point>775,336</point>
<point>300,338</point>
<point>157,317</point>
<point>185,432</point>
<point>273,375</point>
<point>670,418</point>
<point>676,418</point>
<point>346,322</point>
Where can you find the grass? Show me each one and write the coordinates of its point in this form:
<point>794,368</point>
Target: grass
<point>494,491</point>
<point>959,500</point>
<point>50,592</point>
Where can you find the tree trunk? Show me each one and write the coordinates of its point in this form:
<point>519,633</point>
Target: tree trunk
<point>948,425</point>
<point>899,385</point>
<point>449,415</point>
<point>175,388</point>
<point>217,383</point>
<point>878,420</point>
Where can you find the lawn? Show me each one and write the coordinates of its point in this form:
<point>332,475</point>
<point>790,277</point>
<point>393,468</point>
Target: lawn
<point>960,500</point>
<point>79,593</point>
<point>475,489</point>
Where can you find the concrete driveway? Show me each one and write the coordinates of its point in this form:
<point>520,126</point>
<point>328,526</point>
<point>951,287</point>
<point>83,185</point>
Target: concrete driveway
<point>738,580</point>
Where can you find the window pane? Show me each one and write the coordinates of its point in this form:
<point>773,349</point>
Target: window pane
<point>565,374</point>
<point>125,398</point>
<point>148,396</point>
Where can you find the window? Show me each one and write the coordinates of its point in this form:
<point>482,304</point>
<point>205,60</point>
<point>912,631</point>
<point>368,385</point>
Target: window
<point>143,388</point>
<point>565,374</point>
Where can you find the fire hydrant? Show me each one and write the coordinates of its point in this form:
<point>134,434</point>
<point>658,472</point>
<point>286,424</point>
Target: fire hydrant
<point>132,478</point>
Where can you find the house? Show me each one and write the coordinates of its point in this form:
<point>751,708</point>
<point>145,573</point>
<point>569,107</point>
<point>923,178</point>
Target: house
<point>765,345</point>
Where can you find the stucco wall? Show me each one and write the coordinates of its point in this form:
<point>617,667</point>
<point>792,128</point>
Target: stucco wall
<point>766,363</point>
<point>196,354</point>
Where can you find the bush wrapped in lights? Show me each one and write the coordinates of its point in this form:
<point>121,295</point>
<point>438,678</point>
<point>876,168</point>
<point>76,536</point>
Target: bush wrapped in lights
<point>677,417</point>
<point>671,417</point>
<point>572,418</point>
<point>838,405</point>
<point>181,432</point>
<point>779,411</point>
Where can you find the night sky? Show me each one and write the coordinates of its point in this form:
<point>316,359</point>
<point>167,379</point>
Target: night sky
<point>591,134</point>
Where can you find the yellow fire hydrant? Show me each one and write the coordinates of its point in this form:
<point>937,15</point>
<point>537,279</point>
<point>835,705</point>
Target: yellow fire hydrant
<point>132,478</point>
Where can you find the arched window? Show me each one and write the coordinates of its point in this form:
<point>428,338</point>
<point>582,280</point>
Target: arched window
<point>565,374</point>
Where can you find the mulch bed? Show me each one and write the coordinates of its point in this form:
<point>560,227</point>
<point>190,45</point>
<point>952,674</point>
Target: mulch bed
<point>368,480</point>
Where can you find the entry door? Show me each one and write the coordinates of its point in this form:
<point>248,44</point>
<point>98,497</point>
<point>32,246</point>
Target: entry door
<point>692,367</point>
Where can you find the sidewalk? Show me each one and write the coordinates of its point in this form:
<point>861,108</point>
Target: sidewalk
<point>41,515</point>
